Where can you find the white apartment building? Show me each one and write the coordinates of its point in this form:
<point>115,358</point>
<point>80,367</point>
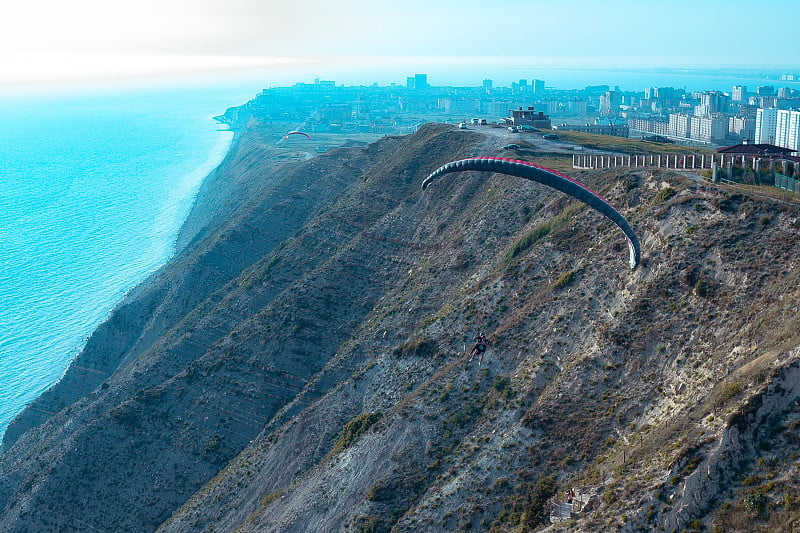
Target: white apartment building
<point>680,125</point>
<point>499,108</point>
<point>766,125</point>
<point>576,107</point>
<point>609,104</point>
<point>743,127</point>
<point>550,107</point>
<point>459,105</point>
<point>739,93</point>
<point>709,129</point>
<point>658,127</point>
<point>787,131</point>
<point>702,110</point>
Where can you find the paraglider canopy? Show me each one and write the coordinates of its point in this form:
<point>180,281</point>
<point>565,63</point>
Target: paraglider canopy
<point>551,178</point>
<point>297,133</point>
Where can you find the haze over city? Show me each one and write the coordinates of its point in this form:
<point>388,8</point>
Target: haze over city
<point>51,41</point>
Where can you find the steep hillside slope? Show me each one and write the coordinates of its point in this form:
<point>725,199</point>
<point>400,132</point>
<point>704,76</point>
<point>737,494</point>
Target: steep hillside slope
<point>301,365</point>
<point>655,388</point>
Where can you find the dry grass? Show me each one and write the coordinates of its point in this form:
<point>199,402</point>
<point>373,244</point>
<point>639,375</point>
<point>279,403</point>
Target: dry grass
<point>625,145</point>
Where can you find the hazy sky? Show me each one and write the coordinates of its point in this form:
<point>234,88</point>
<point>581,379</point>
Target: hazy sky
<point>82,39</point>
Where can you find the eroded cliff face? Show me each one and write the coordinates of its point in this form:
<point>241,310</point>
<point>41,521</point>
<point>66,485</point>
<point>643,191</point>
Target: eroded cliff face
<point>671,391</point>
<point>301,365</point>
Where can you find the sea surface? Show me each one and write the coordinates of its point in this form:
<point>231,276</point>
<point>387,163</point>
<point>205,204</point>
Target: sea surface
<point>94,187</point>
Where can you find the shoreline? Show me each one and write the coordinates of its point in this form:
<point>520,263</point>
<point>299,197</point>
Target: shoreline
<point>185,235</point>
<point>188,194</point>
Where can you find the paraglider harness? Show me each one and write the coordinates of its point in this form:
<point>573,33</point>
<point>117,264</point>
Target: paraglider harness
<point>480,347</point>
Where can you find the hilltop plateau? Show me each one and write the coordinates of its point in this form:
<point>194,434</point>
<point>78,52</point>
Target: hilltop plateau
<point>301,364</point>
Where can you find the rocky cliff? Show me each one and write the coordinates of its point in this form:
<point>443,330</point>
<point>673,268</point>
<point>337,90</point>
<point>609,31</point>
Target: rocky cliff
<point>301,365</point>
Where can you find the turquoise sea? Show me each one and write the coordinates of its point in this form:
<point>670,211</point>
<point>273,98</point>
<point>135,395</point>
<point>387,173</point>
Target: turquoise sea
<point>93,189</point>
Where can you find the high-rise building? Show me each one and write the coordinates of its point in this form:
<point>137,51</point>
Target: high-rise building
<point>664,92</point>
<point>650,125</point>
<point>460,105</point>
<point>577,107</point>
<point>787,131</point>
<point>709,129</point>
<point>487,84</point>
<point>747,111</point>
<point>498,108</point>
<point>549,107</point>
<point>538,86</point>
<point>680,125</point>
<point>717,102</point>
<point>742,127</point>
<point>766,90</point>
<point>609,104</point>
<point>417,81</point>
<point>767,101</point>
<point>739,93</point>
<point>766,125</point>
<point>711,103</point>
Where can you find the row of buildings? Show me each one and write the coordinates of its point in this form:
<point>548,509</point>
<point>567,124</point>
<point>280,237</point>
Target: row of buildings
<point>780,127</point>
<point>766,115</point>
<point>324,106</point>
<point>713,117</point>
<point>683,126</point>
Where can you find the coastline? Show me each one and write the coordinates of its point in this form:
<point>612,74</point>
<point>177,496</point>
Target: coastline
<point>151,307</point>
<point>39,408</point>
<point>216,245</point>
<point>194,220</point>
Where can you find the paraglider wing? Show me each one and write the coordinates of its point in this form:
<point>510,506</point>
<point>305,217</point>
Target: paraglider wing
<point>297,133</point>
<point>548,177</point>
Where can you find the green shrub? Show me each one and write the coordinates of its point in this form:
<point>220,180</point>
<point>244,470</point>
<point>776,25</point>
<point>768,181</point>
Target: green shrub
<point>535,513</point>
<point>565,279</point>
<point>522,244</point>
<point>730,389</point>
<point>211,444</point>
<point>502,384</point>
<point>696,525</point>
<point>269,498</point>
<point>372,524</point>
<point>465,415</point>
<point>527,240</point>
<point>354,429</point>
<point>417,346</point>
<point>663,195</point>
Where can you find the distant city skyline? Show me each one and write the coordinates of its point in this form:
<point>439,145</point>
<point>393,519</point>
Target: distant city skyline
<point>52,41</point>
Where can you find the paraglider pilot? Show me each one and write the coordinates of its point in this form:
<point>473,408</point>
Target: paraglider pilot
<point>481,343</point>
